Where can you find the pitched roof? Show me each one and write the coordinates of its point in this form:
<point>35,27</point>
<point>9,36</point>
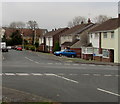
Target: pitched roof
<point>69,43</point>
<point>77,29</point>
<point>27,32</point>
<point>110,24</point>
<point>76,45</point>
<point>54,32</point>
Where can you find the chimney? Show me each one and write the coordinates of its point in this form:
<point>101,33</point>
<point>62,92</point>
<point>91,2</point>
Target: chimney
<point>82,22</point>
<point>89,21</point>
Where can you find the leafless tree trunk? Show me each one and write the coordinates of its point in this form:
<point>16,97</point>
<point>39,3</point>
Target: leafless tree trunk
<point>76,21</point>
<point>101,18</point>
<point>33,26</point>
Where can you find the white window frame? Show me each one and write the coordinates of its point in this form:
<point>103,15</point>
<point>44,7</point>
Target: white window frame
<point>106,51</point>
<point>112,35</point>
<point>105,35</point>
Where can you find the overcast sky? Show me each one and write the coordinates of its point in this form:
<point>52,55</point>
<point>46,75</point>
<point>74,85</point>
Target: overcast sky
<point>55,14</point>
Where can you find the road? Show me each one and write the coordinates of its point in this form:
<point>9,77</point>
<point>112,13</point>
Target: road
<point>44,75</point>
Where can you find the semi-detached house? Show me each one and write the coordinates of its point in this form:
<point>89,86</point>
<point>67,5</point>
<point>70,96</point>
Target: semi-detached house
<point>105,40</point>
<point>51,37</point>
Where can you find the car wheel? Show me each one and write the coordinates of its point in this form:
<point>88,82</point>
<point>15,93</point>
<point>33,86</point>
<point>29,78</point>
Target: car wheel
<point>72,56</point>
<point>60,55</point>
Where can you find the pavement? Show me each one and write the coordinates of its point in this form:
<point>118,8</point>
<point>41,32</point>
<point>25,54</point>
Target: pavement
<point>79,60</point>
<point>58,79</point>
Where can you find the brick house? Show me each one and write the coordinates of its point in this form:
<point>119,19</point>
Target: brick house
<point>50,39</point>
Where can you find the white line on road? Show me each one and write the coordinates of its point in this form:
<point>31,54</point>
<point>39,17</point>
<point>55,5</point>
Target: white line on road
<point>29,59</point>
<point>9,74</point>
<point>49,74</point>
<point>107,75</point>
<point>112,93</point>
<point>22,74</point>
<point>37,74</point>
<point>96,74</point>
<point>86,74</point>
<point>37,62</point>
<point>66,78</point>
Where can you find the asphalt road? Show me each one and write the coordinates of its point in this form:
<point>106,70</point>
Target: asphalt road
<point>46,76</point>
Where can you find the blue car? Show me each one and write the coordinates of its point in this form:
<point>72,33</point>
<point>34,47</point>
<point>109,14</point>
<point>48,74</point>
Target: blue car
<point>68,53</point>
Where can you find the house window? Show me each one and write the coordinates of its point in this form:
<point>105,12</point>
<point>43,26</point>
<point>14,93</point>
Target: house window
<point>91,36</point>
<point>105,34</point>
<point>112,34</point>
<point>105,53</point>
<point>96,35</point>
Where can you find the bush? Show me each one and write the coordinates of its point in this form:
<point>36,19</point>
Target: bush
<point>30,47</point>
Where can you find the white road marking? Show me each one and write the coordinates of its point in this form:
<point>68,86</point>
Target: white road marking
<point>66,78</point>
<point>106,91</point>
<point>96,74</point>
<point>107,75</point>
<point>49,74</point>
<point>37,62</point>
<point>72,74</point>
<point>9,73</point>
<point>86,74</point>
<point>29,59</point>
<point>36,74</point>
<point>117,75</point>
<point>22,74</point>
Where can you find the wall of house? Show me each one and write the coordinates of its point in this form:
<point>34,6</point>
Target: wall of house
<point>94,40</point>
<point>2,32</point>
<point>117,47</point>
<point>108,43</point>
<point>67,38</point>
<point>41,40</point>
<point>49,41</point>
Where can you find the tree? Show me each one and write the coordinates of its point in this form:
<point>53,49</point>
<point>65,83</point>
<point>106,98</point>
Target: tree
<point>33,25</point>
<point>18,25</point>
<point>56,47</point>
<point>101,18</point>
<point>76,21</point>
<point>16,38</point>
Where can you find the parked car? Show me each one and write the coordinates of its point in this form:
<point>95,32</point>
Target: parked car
<point>19,48</point>
<point>68,53</point>
<point>4,49</point>
<point>9,47</point>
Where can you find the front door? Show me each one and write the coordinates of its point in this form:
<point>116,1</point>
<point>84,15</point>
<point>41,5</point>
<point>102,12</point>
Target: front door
<point>111,55</point>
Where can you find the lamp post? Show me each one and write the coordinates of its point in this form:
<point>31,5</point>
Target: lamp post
<point>22,40</point>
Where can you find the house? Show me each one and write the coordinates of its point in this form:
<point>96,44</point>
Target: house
<point>105,39</point>
<point>51,38</point>
<point>83,40</point>
<point>2,32</point>
<point>73,35</point>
